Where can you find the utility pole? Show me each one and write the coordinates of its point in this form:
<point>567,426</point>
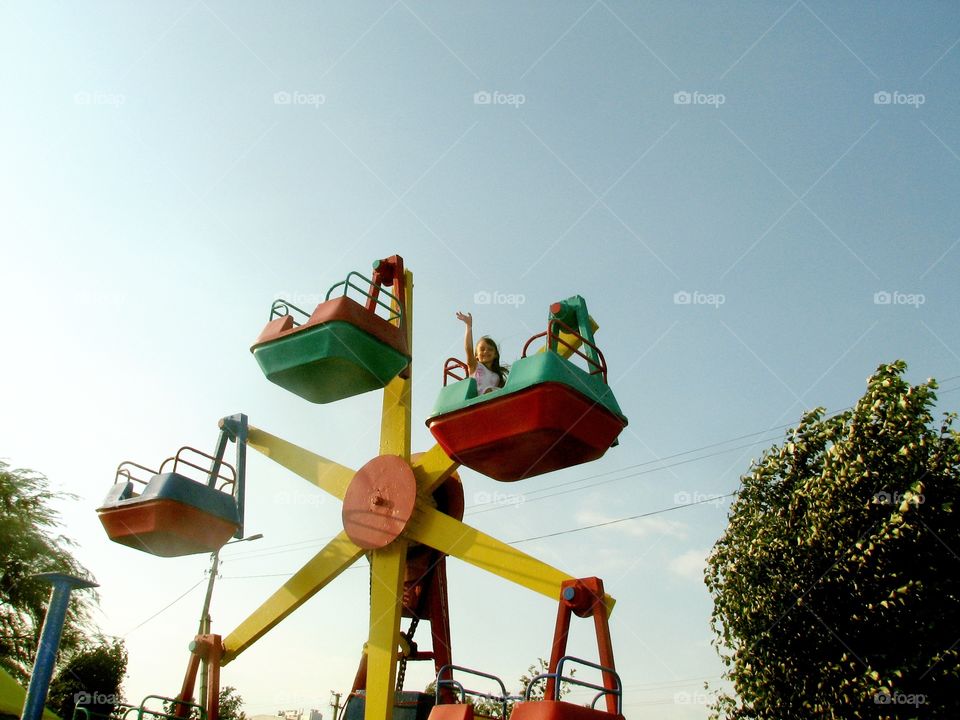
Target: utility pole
<point>335,704</point>
<point>204,628</point>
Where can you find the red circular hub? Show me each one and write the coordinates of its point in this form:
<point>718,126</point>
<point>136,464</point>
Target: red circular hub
<point>379,501</point>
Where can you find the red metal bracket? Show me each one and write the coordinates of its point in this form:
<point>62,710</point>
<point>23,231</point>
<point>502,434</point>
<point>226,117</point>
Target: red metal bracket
<point>584,598</point>
<point>209,648</point>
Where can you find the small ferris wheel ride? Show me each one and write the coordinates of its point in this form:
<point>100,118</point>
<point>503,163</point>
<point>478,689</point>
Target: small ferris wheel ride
<point>403,511</point>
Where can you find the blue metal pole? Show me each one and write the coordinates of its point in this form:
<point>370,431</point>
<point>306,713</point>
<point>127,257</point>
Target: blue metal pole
<point>49,641</point>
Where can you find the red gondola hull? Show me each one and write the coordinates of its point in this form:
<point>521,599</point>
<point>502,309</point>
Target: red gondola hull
<point>538,430</point>
<point>166,528</point>
<point>558,710</point>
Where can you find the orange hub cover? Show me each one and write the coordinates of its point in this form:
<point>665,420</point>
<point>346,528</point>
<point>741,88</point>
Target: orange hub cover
<point>379,502</point>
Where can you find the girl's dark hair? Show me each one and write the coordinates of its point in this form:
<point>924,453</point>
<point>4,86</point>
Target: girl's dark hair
<point>501,370</point>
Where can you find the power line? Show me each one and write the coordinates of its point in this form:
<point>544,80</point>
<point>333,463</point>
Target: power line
<point>655,461</point>
<point>166,607</point>
<point>493,505</point>
<point>278,549</point>
<point>620,520</point>
<point>498,506</point>
<point>670,457</point>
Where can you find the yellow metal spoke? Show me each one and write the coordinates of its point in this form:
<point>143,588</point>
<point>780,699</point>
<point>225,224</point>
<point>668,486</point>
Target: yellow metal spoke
<point>395,420</point>
<point>325,474</point>
<point>395,423</point>
<point>458,539</point>
<point>432,468</point>
<point>339,554</point>
<point>570,343</point>
<point>386,600</point>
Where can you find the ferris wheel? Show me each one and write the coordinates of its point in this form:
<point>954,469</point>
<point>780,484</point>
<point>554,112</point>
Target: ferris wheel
<point>403,511</point>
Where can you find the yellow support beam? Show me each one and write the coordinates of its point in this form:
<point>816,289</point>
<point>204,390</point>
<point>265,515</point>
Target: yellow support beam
<point>325,474</point>
<point>432,527</point>
<point>386,601</point>
<point>395,421</point>
<point>563,350</point>
<point>395,426</point>
<point>432,468</point>
<point>339,554</point>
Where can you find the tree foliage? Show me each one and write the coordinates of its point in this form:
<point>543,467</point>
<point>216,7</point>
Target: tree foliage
<point>836,584</point>
<point>92,678</point>
<point>230,706</point>
<point>30,543</point>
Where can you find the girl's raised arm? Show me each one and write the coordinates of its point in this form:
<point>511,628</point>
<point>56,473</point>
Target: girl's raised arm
<point>467,319</point>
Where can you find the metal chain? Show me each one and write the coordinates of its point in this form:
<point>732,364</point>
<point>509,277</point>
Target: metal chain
<point>402,669</point>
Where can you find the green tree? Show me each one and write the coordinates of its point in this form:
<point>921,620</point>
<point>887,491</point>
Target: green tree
<point>231,704</point>
<point>836,584</point>
<point>92,678</point>
<point>30,543</point>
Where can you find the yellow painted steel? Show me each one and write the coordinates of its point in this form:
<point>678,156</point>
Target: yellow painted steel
<point>394,430</point>
<point>572,341</point>
<point>387,565</point>
<point>386,600</point>
<point>395,421</point>
<point>432,468</point>
<point>442,532</point>
<point>325,474</point>
<point>339,554</point>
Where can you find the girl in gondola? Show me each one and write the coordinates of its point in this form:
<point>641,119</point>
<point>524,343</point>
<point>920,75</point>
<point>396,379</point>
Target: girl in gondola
<point>483,360</point>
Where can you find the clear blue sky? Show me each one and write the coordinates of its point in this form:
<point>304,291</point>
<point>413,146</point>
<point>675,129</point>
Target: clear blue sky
<point>758,201</point>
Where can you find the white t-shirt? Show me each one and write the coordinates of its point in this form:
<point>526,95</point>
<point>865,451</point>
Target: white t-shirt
<point>486,378</point>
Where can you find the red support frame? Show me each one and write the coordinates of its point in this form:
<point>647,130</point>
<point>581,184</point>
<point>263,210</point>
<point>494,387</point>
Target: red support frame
<point>390,272</point>
<point>584,598</point>
<point>209,648</point>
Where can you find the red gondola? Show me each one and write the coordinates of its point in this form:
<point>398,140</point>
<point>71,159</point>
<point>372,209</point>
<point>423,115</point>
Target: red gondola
<point>550,414</point>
